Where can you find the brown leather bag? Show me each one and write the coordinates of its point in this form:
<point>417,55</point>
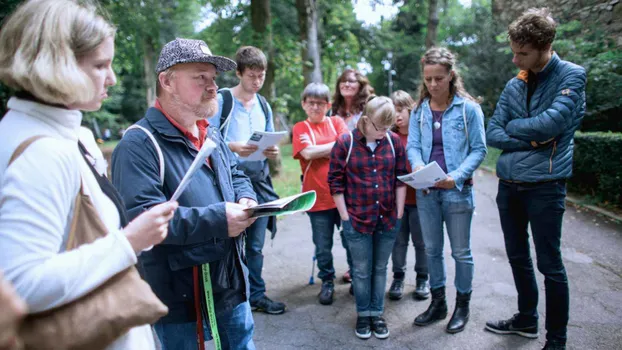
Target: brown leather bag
<point>97,319</point>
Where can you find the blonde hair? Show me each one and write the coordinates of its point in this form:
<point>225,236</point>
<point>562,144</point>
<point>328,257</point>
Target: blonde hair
<point>403,100</point>
<point>41,44</point>
<point>380,110</point>
<point>444,57</point>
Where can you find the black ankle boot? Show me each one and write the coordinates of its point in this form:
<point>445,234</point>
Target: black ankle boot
<point>437,309</point>
<point>461,314</point>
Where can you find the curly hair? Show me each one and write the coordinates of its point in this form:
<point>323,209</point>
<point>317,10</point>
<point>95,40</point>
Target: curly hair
<point>444,57</point>
<point>535,27</point>
<point>365,90</point>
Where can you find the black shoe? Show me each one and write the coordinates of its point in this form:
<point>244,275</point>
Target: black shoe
<point>326,294</point>
<point>363,327</point>
<point>397,289</point>
<point>511,326</point>
<point>351,290</point>
<point>461,314</point>
<point>347,277</point>
<point>437,309</point>
<point>553,346</point>
<point>379,326</point>
<point>268,306</point>
<point>422,291</point>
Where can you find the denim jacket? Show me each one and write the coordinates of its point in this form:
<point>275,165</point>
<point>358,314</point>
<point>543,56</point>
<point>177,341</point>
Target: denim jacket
<point>462,154</point>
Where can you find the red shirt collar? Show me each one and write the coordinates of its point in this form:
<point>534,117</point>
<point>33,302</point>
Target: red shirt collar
<point>201,124</point>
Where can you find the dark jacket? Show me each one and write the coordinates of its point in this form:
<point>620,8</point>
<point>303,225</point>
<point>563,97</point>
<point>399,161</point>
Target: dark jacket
<point>537,141</point>
<point>197,233</point>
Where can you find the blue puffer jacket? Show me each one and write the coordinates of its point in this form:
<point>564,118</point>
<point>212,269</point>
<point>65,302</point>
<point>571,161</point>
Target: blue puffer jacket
<point>537,142</point>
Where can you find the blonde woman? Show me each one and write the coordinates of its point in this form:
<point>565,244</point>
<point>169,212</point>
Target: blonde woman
<point>57,54</point>
<point>447,127</point>
<point>363,171</point>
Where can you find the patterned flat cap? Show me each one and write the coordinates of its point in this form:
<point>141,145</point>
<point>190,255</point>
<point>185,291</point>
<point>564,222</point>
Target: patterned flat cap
<point>191,51</point>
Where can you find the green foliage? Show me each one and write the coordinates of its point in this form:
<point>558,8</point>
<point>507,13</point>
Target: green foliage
<point>287,183</point>
<point>597,169</point>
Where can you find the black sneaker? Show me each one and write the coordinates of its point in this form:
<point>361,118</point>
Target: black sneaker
<point>397,289</point>
<point>553,346</point>
<point>351,290</point>
<point>508,327</point>
<point>379,326</point>
<point>327,292</point>
<point>268,306</point>
<point>363,327</point>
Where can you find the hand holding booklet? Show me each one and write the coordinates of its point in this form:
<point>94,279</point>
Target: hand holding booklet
<point>284,206</point>
<point>263,140</point>
<point>425,177</point>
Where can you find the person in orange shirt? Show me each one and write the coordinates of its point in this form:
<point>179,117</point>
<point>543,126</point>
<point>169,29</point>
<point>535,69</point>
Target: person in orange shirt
<point>312,140</point>
<point>404,104</point>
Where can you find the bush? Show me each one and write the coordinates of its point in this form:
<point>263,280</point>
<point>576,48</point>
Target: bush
<point>597,169</point>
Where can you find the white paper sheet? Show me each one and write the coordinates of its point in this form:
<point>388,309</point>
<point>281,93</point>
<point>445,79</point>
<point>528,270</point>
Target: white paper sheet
<point>426,177</point>
<point>263,140</point>
<point>204,152</point>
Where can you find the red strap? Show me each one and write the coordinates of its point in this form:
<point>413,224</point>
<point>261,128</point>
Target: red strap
<point>197,307</point>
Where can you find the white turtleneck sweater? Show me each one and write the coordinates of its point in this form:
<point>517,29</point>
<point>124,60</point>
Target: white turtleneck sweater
<point>36,206</point>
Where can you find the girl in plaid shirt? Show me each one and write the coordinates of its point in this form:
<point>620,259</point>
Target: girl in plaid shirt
<point>364,166</point>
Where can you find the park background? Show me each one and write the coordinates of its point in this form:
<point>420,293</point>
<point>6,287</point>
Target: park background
<point>315,40</point>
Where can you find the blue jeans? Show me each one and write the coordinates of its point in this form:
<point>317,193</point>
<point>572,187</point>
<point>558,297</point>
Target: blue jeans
<point>255,239</point>
<point>323,227</point>
<point>235,329</point>
<point>370,255</point>
<point>542,206</point>
<point>454,208</point>
<point>410,228</point>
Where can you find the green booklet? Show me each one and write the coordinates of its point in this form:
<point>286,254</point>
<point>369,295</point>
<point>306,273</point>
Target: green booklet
<point>285,206</point>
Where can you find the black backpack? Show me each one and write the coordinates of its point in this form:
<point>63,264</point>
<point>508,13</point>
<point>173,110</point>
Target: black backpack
<point>227,107</point>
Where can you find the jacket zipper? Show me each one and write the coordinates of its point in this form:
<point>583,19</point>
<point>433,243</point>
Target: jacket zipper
<point>551,159</point>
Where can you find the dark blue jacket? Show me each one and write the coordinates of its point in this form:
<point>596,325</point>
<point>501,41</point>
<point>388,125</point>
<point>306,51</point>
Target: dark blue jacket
<point>537,142</point>
<point>197,233</point>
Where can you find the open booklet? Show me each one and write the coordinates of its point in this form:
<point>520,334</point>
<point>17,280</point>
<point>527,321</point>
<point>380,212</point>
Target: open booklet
<point>285,206</point>
<point>425,177</point>
<point>199,160</point>
<point>263,140</point>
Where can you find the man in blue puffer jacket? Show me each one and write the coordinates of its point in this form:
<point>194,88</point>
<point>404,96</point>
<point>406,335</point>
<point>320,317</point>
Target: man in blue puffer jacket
<point>534,124</point>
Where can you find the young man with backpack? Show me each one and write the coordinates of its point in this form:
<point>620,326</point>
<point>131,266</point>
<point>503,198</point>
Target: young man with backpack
<point>243,111</point>
<point>534,124</point>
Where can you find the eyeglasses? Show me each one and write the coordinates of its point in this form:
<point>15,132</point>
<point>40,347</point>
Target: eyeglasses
<point>385,129</point>
<point>351,81</point>
<point>316,104</point>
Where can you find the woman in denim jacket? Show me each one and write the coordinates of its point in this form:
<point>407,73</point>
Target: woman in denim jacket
<point>447,127</point>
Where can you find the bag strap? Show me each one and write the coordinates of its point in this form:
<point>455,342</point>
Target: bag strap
<point>22,147</point>
<point>466,128</point>
<point>155,144</point>
<point>227,107</point>
<point>352,141</point>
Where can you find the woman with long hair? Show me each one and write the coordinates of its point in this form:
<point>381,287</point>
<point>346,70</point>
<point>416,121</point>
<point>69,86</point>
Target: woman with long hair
<point>57,55</point>
<point>447,127</point>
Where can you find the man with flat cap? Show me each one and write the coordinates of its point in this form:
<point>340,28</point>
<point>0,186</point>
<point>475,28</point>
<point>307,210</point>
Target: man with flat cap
<point>199,270</point>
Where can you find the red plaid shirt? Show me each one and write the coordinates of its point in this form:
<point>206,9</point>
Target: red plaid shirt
<point>369,180</point>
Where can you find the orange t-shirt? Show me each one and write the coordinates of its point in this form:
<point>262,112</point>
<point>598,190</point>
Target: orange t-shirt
<point>411,195</point>
<point>315,171</point>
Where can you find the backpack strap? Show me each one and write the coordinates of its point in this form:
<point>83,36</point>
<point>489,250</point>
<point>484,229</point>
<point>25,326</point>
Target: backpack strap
<point>466,128</point>
<point>350,148</point>
<point>391,143</point>
<point>264,107</point>
<point>155,144</point>
<point>227,107</point>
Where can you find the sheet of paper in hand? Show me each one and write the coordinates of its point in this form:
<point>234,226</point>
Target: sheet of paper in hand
<point>204,152</point>
<point>263,140</point>
<point>285,206</point>
<point>426,177</point>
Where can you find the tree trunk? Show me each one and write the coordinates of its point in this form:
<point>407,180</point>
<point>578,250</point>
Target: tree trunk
<point>149,70</point>
<point>308,21</point>
<point>261,21</point>
<point>430,39</point>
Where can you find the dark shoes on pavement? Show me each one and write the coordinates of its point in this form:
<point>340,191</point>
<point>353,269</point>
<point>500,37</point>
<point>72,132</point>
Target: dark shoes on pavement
<point>268,306</point>
<point>437,309</point>
<point>422,291</point>
<point>327,292</point>
<point>461,313</point>
<point>514,326</point>
<point>397,289</point>
<point>553,346</point>
<point>365,325</point>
